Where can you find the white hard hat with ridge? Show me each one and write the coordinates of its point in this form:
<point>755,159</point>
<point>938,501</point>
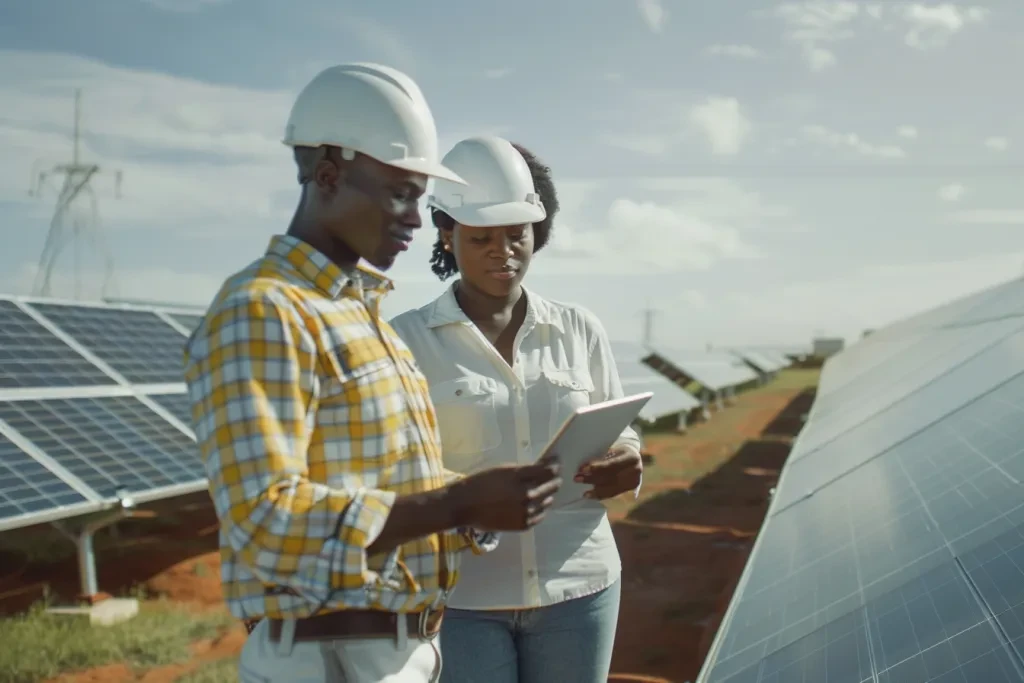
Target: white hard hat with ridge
<point>499,189</point>
<point>371,109</point>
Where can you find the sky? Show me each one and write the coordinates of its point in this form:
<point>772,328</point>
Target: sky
<point>757,173</point>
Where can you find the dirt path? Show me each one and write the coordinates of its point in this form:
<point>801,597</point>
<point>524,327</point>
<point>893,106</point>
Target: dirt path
<point>684,544</point>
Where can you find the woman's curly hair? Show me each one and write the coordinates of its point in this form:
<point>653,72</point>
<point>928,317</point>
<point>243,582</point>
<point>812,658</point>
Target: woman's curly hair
<point>443,262</point>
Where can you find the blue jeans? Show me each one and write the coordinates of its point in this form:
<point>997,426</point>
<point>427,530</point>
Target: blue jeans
<point>568,642</point>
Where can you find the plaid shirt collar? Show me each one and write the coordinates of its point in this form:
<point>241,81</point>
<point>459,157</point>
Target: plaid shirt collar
<point>325,275</point>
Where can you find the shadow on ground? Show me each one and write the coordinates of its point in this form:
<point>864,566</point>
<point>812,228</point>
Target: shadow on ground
<point>790,421</point>
<point>683,551</point>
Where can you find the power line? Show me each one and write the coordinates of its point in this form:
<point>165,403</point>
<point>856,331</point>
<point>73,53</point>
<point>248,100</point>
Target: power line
<point>77,184</point>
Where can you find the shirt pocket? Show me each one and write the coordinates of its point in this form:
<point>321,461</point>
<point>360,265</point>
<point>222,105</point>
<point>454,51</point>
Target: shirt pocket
<point>364,407</point>
<point>466,413</point>
<point>568,390</point>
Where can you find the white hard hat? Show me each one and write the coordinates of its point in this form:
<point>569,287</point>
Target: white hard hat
<point>499,189</point>
<point>371,109</point>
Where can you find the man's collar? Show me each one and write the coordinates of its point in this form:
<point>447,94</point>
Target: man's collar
<point>445,310</point>
<point>323,273</point>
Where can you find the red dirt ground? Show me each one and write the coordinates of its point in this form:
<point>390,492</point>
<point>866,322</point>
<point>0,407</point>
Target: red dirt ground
<point>683,546</point>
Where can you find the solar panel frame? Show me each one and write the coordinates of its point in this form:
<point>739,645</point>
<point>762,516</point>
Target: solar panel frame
<point>716,372</point>
<point>118,386</point>
<point>32,355</point>
<point>34,491</point>
<point>669,398</point>
<point>111,443</point>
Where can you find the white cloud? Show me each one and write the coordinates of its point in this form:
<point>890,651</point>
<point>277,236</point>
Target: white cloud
<point>932,26</point>
<point>853,299</point>
<point>997,143</point>
<point>908,132</point>
<point>817,26</point>
<point>653,14</point>
<point>195,155</point>
<point>734,50</point>
<point>645,237</point>
<point>989,216</point>
<point>657,121</point>
<point>953,192</point>
<point>851,141</point>
<point>723,123</point>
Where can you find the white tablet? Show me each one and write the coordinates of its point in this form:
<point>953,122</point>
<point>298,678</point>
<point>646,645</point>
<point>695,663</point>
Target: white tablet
<point>587,435</point>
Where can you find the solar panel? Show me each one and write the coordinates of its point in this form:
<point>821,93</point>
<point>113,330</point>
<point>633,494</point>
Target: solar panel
<point>669,398</point>
<point>31,356</point>
<point>186,320</point>
<point>137,344</point>
<point>894,547</point>
<point>882,531</point>
<point>28,489</point>
<point>176,404</point>
<point>902,375</point>
<point>110,443</point>
<point>713,371</point>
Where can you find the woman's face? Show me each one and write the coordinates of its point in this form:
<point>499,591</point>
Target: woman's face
<point>493,260</point>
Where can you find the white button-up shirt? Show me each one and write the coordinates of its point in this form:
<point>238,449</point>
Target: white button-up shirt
<point>492,414</point>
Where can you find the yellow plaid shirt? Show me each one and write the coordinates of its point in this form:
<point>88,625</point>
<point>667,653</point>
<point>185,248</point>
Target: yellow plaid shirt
<point>311,417</point>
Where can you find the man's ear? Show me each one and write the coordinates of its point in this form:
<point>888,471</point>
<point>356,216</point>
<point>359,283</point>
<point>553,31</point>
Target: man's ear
<point>327,175</point>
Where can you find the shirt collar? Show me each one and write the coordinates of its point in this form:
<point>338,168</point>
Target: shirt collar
<point>445,310</point>
<point>325,275</point>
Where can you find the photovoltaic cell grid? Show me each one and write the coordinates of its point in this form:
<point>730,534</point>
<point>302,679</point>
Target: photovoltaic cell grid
<point>110,443</point>
<point>176,404</point>
<point>137,344</point>
<point>32,357</point>
<point>906,562</point>
<point>28,488</point>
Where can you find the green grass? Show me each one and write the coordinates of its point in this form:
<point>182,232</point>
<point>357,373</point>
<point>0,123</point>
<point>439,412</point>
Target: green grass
<point>219,671</point>
<point>37,646</point>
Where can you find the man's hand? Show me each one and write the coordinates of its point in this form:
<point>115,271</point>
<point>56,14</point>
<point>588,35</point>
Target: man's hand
<point>507,498</point>
<point>617,472</point>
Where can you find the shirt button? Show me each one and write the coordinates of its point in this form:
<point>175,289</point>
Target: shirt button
<point>524,444</point>
<point>458,392</point>
<point>531,573</point>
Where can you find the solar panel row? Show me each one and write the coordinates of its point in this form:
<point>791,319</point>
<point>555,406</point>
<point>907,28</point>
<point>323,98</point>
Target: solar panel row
<point>77,426</point>
<point>894,547</point>
<point>715,372</point>
<point>92,406</point>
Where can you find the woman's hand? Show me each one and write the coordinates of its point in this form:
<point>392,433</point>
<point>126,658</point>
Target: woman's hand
<point>617,472</point>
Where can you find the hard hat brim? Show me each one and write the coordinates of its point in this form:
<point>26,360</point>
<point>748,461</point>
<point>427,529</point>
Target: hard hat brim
<point>494,215</point>
<point>428,168</point>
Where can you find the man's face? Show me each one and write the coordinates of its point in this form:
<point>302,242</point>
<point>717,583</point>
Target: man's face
<point>375,210</point>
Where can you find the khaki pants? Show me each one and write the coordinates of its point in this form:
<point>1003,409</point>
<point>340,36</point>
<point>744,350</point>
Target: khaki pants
<point>401,659</point>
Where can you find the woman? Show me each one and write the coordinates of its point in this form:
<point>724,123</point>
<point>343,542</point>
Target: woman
<point>506,368</point>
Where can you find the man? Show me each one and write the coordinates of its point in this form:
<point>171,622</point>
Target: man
<point>339,528</point>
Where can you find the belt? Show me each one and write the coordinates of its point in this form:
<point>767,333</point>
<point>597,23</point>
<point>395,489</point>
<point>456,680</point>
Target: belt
<point>360,624</point>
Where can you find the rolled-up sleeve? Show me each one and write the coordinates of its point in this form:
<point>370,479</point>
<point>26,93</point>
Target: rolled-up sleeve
<point>607,384</point>
<point>251,371</point>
